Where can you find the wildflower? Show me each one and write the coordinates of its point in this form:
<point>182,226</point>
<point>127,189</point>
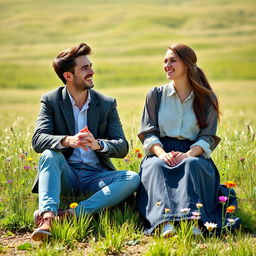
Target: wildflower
<point>195,217</point>
<point>30,159</point>
<point>8,159</point>
<point>185,210</point>
<point>26,167</point>
<point>26,154</point>
<point>137,150</point>
<point>139,155</point>
<point>230,184</point>
<point>210,226</point>
<point>199,205</point>
<point>196,214</point>
<point>242,159</point>
<point>231,209</point>
<point>166,210</point>
<point>223,199</point>
<point>126,160</point>
<point>9,181</point>
<point>73,205</point>
<point>230,220</point>
<point>35,167</point>
<point>22,156</point>
<point>158,203</point>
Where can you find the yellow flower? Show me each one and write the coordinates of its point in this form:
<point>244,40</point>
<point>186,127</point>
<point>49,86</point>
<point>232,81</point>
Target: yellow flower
<point>199,205</point>
<point>73,205</point>
<point>30,159</point>
<point>137,150</point>
<point>158,203</point>
<point>166,210</point>
<point>230,184</point>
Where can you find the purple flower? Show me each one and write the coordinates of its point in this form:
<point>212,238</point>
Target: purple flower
<point>9,181</point>
<point>8,159</point>
<point>26,167</point>
<point>223,199</point>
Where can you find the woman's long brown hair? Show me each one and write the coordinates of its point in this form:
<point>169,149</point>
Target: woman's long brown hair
<point>200,85</point>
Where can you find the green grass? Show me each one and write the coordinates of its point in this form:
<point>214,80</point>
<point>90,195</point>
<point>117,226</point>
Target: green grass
<point>119,230</point>
<point>128,39</point>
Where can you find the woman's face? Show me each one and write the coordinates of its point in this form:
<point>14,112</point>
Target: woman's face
<point>173,66</point>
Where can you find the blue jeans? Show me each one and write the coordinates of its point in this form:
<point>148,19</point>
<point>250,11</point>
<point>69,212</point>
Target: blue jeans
<point>57,177</point>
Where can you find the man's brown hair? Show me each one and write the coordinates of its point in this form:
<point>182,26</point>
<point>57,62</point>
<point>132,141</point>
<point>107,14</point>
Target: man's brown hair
<point>65,61</point>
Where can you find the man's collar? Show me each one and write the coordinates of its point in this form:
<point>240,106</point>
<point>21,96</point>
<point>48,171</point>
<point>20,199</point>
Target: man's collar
<point>85,104</point>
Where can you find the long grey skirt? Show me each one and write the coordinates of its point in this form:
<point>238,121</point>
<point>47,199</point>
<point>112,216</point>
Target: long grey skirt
<point>165,191</point>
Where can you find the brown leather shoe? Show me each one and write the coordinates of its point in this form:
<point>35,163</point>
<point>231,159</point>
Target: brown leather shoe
<point>43,231</point>
<point>60,215</point>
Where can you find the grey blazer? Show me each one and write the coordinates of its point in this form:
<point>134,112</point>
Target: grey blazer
<point>56,120</point>
<point>149,121</point>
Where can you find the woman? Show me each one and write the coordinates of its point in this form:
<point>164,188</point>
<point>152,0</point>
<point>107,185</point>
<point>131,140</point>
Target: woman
<point>178,132</point>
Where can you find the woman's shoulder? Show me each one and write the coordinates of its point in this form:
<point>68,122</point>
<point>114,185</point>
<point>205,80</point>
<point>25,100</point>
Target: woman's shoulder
<point>157,90</point>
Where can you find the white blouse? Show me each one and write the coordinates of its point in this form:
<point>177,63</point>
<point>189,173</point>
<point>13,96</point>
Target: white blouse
<point>177,119</point>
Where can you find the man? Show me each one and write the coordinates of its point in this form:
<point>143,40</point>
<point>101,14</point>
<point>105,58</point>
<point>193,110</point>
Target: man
<point>76,160</point>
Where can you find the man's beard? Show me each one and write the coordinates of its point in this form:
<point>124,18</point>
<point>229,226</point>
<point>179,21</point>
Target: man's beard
<point>82,85</point>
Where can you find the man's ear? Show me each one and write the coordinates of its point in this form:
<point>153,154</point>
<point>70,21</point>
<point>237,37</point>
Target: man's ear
<point>68,76</point>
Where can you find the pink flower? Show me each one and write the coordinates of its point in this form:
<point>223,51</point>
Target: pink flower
<point>223,199</point>
<point>9,181</point>
<point>26,167</point>
<point>195,217</point>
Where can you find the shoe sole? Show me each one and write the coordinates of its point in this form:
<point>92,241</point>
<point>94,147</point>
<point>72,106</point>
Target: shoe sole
<point>41,235</point>
<point>168,233</point>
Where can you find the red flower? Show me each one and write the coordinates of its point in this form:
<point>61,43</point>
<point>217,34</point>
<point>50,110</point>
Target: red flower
<point>230,184</point>
<point>139,155</point>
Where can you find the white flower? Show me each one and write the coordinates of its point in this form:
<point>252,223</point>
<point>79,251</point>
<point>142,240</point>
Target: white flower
<point>185,210</point>
<point>230,220</point>
<point>196,213</point>
<point>210,226</point>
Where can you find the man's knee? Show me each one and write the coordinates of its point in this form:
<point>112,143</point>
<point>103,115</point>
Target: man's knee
<point>134,179</point>
<point>52,156</point>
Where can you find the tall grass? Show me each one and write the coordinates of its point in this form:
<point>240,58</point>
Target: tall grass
<point>118,230</point>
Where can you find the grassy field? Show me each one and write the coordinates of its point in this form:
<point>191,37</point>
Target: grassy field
<point>129,39</point>
<point>121,234</point>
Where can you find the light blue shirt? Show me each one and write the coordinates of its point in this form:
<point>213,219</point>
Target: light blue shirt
<point>79,155</point>
<point>177,119</point>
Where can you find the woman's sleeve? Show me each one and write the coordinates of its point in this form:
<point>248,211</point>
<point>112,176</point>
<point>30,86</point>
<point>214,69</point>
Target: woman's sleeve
<point>207,138</point>
<point>149,132</point>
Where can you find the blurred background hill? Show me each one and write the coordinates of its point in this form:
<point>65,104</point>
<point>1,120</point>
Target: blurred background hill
<point>128,38</point>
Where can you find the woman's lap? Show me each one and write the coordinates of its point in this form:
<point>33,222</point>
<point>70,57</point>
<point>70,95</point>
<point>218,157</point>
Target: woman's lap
<point>165,190</point>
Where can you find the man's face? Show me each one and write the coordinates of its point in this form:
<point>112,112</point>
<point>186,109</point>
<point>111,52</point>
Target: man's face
<point>83,73</point>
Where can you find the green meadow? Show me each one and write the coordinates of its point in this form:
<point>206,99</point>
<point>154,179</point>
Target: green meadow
<point>129,40</point>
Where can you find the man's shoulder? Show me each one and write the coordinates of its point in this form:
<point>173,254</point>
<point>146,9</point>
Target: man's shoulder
<point>53,94</point>
<point>102,97</point>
